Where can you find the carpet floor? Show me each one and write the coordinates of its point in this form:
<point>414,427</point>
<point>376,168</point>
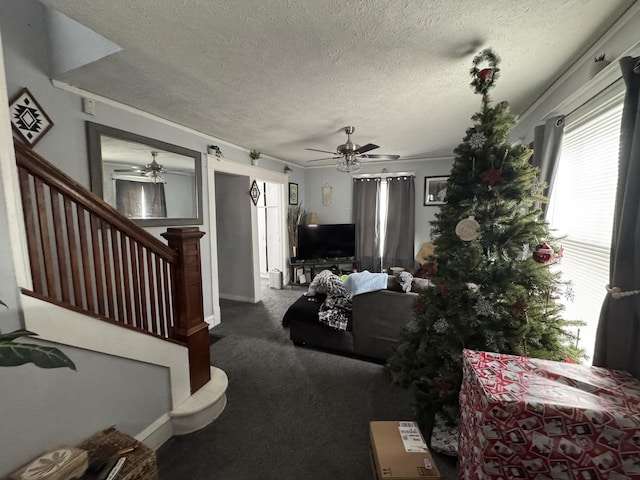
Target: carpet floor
<point>292,412</point>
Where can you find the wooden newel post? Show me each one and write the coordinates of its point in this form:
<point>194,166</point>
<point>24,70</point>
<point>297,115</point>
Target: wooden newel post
<point>187,297</point>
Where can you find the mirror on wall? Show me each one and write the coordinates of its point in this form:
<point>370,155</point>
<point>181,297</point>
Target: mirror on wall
<point>149,181</point>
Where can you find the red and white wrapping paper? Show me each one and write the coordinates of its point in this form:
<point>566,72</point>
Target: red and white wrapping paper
<point>544,420</point>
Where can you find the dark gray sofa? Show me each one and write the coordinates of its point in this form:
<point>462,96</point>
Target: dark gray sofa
<point>377,318</point>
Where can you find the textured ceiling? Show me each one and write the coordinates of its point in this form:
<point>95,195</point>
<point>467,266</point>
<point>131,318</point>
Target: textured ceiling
<point>282,75</point>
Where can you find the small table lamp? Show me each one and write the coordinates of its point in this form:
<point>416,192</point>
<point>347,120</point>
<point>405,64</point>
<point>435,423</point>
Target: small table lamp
<point>312,218</point>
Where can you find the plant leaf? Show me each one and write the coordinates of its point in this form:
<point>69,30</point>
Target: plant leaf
<point>8,337</point>
<point>13,354</point>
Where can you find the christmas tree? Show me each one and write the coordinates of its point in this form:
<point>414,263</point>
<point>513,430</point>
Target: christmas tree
<point>492,289</point>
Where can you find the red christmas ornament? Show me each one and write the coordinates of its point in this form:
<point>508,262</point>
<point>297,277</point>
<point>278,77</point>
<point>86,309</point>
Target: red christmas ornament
<point>519,307</point>
<point>485,74</point>
<point>492,176</point>
<point>543,253</point>
<point>430,268</point>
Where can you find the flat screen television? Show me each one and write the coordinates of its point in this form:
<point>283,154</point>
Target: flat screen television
<point>326,241</point>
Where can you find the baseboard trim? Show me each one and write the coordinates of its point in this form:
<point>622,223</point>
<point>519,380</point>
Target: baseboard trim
<point>212,321</point>
<point>237,298</point>
<point>156,434</point>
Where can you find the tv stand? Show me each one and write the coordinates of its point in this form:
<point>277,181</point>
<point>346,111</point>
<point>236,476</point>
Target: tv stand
<point>319,264</point>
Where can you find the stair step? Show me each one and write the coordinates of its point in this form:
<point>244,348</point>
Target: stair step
<point>203,407</point>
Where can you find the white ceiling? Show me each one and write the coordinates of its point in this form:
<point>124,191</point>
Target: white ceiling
<point>282,75</point>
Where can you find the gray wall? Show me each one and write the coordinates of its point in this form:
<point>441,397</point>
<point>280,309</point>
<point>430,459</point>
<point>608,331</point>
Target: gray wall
<point>235,243</point>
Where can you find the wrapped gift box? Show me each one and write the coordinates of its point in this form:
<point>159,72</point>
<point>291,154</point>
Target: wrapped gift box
<point>545,420</point>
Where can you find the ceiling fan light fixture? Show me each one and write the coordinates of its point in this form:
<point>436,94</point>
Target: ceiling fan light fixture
<point>346,166</point>
<point>154,170</point>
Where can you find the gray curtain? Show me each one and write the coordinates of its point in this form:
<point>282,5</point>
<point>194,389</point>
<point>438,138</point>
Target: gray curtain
<point>365,216</point>
<point>130,195</point>
<point>618,337</point>
<point>401,219</point>
<point>547,141</point>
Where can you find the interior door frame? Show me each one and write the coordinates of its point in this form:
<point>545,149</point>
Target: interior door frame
<point>215,164</point>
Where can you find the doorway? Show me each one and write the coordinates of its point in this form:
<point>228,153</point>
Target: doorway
<point>236,250</point>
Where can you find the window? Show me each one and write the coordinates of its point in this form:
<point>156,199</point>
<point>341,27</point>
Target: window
<point>141,199</point>
<point>384,214</point>
<point>581,211</point>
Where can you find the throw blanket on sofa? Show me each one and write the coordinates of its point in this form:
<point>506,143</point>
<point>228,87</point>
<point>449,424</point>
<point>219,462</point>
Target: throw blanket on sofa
<point>365,281</point>
<point>335,311</point>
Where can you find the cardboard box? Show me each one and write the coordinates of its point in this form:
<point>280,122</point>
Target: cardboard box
<point>400,452</point>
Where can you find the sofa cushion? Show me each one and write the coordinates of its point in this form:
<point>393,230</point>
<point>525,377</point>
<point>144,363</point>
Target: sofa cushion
<point>420,284</point>
<point>393,284</point>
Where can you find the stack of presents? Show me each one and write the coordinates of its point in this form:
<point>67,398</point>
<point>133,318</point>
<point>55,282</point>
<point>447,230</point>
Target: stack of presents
<point>544,420</point>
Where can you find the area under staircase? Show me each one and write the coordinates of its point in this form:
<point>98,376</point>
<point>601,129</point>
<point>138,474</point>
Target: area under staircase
<point>119,290</point>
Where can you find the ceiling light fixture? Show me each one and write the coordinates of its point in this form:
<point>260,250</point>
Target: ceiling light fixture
<point>349,164</point>
<point>154,170</point>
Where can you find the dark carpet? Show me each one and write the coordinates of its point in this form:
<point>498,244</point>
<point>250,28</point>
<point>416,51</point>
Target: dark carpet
<point>292,412</point>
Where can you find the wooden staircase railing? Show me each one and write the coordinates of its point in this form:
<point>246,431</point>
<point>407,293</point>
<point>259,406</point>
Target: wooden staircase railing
<point>86,257</point>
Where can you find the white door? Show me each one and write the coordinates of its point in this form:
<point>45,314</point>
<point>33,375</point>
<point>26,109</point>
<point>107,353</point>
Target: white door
<point>270,221</point>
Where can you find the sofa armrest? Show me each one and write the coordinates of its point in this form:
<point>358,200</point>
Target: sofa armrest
<point>377,320</point>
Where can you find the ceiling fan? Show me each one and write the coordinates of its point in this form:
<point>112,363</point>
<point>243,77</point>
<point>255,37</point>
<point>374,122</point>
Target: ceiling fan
<point>350,154</point>
<point>152,170</point>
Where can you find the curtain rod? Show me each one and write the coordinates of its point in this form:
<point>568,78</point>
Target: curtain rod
<point>385,174</point>
<point>590,99</point>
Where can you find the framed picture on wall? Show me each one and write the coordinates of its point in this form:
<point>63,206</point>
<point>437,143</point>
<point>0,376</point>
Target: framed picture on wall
<point>293,193</point>
<point>435,190</point>
<point>28,119</point>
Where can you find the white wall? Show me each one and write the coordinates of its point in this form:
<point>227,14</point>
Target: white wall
<point>574,86</point>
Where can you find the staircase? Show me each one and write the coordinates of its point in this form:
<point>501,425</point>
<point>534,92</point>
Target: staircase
<point>118,290</point>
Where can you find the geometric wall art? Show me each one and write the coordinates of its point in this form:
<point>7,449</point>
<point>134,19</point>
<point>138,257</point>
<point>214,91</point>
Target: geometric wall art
<point>28,118</point>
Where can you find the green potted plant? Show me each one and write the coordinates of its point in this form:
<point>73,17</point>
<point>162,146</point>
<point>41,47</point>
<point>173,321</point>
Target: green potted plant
<point>13,354</point>
<point>599,63</point>
<point>254,155</point>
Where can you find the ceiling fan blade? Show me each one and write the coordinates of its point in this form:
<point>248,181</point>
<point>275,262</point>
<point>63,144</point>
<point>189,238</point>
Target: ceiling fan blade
<point>320,159</point>
<point>382,157</point>
<point>130,169</point>
<point>323,151</point>
<point>366,148</point>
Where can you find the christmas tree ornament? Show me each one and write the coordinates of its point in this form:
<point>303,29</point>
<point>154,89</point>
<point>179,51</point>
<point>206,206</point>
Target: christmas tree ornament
<point>473,287</point>
<point>492,176</point>
<point>477,140</point>
<point>485,74</point>
<point>441,325</point>
<point>519,307</point>
<point>524,253</point>
<point>484,77</point>
<point>483,307</point>
<point>569,294</point>
<point>468,229</point>
<point>543,253</point>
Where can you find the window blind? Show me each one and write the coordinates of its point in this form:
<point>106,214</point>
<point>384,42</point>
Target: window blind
<point>581,212</point>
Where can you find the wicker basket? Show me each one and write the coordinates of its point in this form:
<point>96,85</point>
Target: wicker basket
<point>140,463</point>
